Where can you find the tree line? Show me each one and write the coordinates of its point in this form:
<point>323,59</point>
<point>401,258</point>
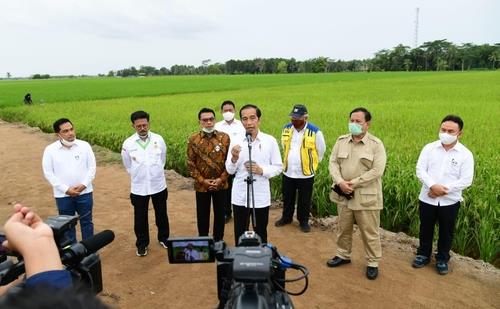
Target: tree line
<point>438,55</point>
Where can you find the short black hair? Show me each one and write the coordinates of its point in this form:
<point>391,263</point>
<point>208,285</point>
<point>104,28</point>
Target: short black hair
<point>368,116</point>
<point>57,124</point>
<point>205,110</point>
<point>139,115</point>
<point>247,106</point>
<point>227,102</point>
<point>28,298</point>
<point>454,118</point>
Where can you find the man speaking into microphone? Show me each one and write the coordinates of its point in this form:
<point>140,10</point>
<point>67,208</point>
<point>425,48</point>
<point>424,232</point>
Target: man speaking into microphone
<point>265,163</point>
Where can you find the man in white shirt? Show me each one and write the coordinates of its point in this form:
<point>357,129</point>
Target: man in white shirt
<point>144,155</point>
<point>445,168</point>
<point>266,163</point>
<point>190,253</point>
<point>236,131</point>
<point>304,146</point>
<point>69,166</point>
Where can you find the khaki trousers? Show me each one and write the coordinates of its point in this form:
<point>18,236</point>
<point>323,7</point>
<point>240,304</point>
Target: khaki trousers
<point>368,222</point>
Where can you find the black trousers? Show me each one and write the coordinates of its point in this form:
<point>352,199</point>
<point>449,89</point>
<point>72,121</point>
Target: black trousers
<point>227,205</point>
<point>242,221</point>
<point>141,226</point>
<point>290,187</point>
<point>218,199</point>
<point>446,217</point>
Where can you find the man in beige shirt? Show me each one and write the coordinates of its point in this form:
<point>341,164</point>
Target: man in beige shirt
<point>356,165</point>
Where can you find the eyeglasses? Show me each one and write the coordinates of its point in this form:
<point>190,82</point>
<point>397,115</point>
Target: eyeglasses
<point>207,119</point>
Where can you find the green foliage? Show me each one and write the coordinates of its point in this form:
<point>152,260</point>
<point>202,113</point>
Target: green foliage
<point>406,107</point>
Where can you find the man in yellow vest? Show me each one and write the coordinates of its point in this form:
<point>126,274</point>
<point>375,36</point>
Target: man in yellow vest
<point>304,145</point>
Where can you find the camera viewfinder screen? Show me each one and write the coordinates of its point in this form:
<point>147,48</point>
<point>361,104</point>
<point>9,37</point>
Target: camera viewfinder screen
<point>190,251</point>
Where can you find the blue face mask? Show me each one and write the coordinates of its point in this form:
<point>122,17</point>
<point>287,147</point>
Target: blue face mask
<point>355,129</point>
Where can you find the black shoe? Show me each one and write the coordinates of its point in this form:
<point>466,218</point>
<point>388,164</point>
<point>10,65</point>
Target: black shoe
<point>420,261</point>
<point>227,218</point>
<point>371,272</point>
<point>442,267</point>
<point>282,222</point>
<point>142,251</point>
<point>336,261</point>
<point>305,227</point>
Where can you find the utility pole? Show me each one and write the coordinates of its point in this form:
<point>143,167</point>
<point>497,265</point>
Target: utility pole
<point>416,27</point>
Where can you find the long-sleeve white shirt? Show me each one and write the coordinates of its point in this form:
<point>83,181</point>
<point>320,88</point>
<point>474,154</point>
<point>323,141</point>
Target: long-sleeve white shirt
<point>294,164</point>
<point>235,130</point>
<point>266,153</point>
<point>66,167</point>
<point>145,163</point>
<point>453,169</point>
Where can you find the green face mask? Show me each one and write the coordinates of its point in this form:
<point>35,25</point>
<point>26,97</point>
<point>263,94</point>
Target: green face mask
<point>355,129</point>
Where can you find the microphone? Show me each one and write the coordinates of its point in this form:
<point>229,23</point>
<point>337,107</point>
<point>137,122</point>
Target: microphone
<point>75,253</point>
<point>248,137</point>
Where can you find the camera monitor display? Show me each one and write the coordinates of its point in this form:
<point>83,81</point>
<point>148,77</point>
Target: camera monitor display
<point>190,250</point>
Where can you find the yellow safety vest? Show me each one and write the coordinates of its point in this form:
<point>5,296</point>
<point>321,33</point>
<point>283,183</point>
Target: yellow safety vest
<point>308,151</point>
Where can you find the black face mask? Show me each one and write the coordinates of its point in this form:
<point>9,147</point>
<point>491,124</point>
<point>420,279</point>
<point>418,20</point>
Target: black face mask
<point>298,124</point>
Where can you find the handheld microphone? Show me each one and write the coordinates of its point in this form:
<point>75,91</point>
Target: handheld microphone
<point>248,137</point>
<point>76,252</point>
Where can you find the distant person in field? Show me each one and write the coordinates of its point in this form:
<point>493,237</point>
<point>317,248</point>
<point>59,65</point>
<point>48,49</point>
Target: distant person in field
<point>357,164</point>
<point>234,128</point>
<point>69,166</point>
<point>144,155</point>
<point>27,99</point>
<point>206,157</point>
<point>304,147</point>
<point>266,164</point>
<point>445,168</point>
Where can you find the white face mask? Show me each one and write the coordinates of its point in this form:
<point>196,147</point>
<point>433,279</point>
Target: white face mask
<point>228,116</point>
<point>66,143</point>
<point>207,130</point>
<point>447,139</point>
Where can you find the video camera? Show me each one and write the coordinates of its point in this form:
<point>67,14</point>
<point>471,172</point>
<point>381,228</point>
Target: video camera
<point>81,259</point>
<point>251,275</point>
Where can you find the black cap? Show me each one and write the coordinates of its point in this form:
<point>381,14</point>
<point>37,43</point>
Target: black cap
<point>298,111</point>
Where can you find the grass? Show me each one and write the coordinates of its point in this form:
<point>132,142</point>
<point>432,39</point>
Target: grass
<point>406,107</point>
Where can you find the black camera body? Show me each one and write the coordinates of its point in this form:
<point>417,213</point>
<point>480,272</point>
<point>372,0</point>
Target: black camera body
<point>83,264</point>
<point>251,275</point>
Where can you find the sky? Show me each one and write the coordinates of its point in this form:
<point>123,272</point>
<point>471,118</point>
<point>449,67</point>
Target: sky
<point>63,37</point>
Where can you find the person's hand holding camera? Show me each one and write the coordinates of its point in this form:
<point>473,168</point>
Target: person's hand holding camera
<point>27,234</point>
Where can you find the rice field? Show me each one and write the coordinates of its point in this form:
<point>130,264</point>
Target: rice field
<point>407,109</point>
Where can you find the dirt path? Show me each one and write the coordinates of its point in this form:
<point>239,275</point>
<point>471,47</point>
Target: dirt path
<point>150,282</point>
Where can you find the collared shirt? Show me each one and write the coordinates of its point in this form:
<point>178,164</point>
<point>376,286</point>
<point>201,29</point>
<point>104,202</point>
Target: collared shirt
<point>453,169</point>
<point>65,167</point>
<point>145,162</point>
<point>206,158</point>
<point>266,153</point>
<point>363,164</point>
<point>235,129</point>
<point>294,165</point>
